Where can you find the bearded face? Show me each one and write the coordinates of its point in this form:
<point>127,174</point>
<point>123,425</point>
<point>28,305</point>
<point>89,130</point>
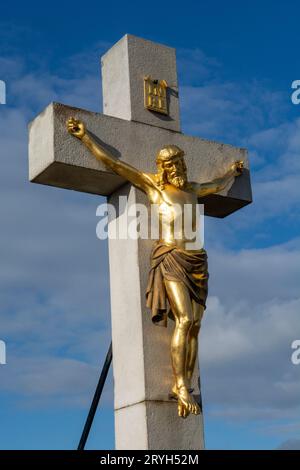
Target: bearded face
<point>175,170</point>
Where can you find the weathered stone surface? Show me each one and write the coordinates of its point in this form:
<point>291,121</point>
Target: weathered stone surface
<point>58,159</point>
<point>162,430</point>
<point>124,67</point>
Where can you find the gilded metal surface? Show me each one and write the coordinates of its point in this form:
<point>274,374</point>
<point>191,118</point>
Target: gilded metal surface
<point>155,95</point>
<point>168,188</point>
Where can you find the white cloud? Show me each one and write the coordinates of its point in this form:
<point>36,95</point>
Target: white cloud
<point>195,67</point>
<point>256,275</point>
<point>54,292</point>
<point>54,381</point>
<point>251,320</point>
<point>229,111</point>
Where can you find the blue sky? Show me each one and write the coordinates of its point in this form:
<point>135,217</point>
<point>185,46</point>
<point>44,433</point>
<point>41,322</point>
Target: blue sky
<point>236,63</point>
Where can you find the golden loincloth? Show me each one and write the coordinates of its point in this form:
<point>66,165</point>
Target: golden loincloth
<point>175,264</point>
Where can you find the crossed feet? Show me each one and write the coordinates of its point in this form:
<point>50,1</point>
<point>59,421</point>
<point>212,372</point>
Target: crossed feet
<point>186,402</point>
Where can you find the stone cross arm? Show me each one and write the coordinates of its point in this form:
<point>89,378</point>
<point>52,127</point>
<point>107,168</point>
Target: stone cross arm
<point>57,159</point>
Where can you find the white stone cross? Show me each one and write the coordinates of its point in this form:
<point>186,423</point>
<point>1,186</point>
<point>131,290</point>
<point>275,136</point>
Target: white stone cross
<point>145,417</point>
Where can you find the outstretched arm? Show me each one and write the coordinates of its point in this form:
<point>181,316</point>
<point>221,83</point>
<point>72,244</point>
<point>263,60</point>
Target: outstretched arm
<point>134,176</point>
<point>218,184</point>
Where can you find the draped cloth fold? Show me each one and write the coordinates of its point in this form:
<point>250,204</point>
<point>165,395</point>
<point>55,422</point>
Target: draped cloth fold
<point>169,262</point>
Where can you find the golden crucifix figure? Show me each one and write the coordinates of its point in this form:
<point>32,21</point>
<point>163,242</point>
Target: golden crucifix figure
<point>178,278</point>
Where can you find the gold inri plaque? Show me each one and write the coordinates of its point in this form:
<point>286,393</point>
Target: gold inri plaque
<point>155,93</point>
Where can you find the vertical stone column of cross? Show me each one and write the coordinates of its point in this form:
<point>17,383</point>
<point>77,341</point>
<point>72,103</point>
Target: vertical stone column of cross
<point>145,418</point>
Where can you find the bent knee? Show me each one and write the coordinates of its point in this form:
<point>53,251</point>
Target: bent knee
<point>185,322</point>
<point>197,324</point>
<point>195,327</point>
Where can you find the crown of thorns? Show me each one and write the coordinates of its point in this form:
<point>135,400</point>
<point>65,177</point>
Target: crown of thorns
<point>168,153</point>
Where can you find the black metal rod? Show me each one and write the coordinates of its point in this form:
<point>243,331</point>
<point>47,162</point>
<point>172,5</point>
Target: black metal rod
<point>96,399</point>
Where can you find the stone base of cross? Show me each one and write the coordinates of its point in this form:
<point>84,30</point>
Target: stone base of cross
<point>145,416</point>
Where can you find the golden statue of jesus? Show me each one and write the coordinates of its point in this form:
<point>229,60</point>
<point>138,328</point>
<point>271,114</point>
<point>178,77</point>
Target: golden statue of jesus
<point>178,276</point>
